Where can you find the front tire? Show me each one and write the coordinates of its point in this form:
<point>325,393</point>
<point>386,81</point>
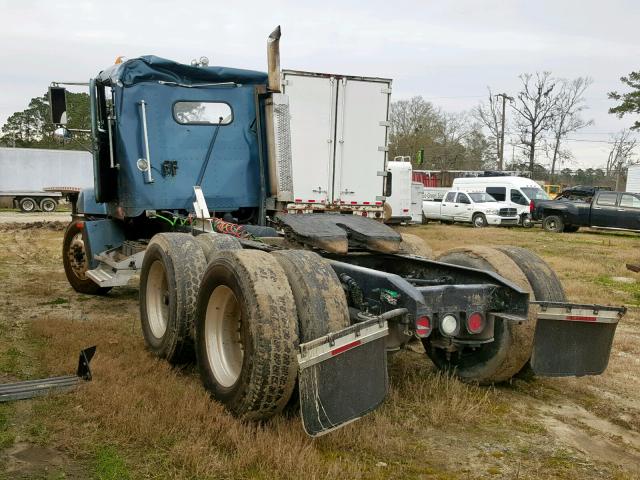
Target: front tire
<point>247,334</point>
<point>414,245</point>
<point>76,262</point>
<point>171,271</point>
<point>553,223</point>
<point>479,220</point>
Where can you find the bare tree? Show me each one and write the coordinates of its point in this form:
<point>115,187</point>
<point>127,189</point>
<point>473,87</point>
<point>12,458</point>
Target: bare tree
<point>536,108</point>
<point>490,116</point>
<point>567,118</point>
<point>413,123</point>
<point>621,155</point>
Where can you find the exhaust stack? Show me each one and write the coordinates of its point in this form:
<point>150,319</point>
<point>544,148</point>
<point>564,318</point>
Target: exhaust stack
<point>273,60</point>
<point>277,127</point>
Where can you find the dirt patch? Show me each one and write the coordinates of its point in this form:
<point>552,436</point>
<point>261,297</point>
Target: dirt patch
<point>27,461</point>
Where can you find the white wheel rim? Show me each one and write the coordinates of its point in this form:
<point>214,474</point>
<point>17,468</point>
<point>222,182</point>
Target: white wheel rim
<point>225,351</point>
<point>47,206</point>
<point>479,221</point>
<point>28,205</point>
<point>157,299</point>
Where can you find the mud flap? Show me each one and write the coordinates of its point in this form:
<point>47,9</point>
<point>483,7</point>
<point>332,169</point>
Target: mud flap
<point>343,376</point>
<point>573,339</point>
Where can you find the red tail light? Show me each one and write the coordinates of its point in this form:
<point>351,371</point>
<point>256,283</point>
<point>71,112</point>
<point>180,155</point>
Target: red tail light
<point>475,322</point>
<point>532,206</point>
<point>423,326</point>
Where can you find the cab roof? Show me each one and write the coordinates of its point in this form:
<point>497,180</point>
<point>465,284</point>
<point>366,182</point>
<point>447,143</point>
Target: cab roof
<point>151,68</point>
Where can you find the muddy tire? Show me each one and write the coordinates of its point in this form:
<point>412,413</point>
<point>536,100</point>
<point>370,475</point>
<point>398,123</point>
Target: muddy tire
<point>48,205</point>
<point>479,220</point>
<point>553,223</point>
<point>169,279</point>
<point>76,262</point>
<point>247,334</point>
<point>511,350</point>
<point>212,243</point>
<point>27,204</point>
<point>414,245</point>
<point>320,300</point>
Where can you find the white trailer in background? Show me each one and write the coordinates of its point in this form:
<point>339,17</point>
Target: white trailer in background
<point>398,202</point>
<point>633,179</point>
<point>417,192</point>
<point>37,178</point>
<point>338,141</point>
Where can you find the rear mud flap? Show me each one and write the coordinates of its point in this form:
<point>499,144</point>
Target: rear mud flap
<point>343,376</point>
<point>573,339</point>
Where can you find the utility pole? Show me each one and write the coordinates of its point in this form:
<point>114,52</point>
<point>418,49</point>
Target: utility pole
<point>505,97</point>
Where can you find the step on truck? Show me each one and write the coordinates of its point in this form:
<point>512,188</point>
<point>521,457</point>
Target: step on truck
<point>192,182</point>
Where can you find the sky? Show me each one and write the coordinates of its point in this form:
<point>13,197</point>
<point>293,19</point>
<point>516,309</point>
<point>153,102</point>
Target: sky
<point>447,51</point>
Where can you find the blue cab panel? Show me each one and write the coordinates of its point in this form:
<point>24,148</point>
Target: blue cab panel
<point>177,150</point>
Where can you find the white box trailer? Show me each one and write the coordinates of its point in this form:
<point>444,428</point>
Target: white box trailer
<point>417,193</point>
<point>633,179</point>
<point>338,141</point>
<point>398,202</point>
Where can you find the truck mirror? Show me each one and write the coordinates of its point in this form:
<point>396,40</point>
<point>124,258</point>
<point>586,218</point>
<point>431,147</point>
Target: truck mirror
<point>62,135</point>
<point>58,105</point>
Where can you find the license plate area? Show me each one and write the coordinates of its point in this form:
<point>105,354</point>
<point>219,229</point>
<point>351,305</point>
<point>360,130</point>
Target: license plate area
<point>573,339</point>
<point>342,376</point>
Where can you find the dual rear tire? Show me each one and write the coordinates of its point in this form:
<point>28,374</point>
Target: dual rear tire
<point>244,313</point>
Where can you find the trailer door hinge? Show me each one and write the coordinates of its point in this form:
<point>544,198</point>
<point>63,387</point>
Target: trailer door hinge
<point>386,91</point>
<point>383,149</point>
<point>382,173</point>
<point>384,123</point>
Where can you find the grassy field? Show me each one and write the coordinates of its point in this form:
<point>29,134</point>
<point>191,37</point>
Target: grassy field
<point>139,418</point>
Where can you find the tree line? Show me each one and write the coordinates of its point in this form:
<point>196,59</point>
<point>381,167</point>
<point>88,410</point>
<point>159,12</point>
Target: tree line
<point>32,127</point>
<point>536,121</point>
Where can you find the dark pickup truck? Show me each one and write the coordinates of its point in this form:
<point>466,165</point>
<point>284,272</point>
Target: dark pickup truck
<point>613,210</point>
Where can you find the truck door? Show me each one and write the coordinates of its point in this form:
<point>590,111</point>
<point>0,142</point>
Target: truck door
<point>604,210</point>
<point>628,212</point>
<point>463,208</point>
<point>312,104</point>
<point>447,208</point>
<point>361,140</point>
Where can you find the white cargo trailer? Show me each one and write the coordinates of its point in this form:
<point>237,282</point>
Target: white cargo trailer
<point>398,203</point>
<point>417,192</point>
<point>633,179</point>
<point>338,141</point>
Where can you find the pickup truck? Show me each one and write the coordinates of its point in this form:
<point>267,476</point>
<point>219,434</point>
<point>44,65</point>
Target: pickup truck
<point>610,210</point>
<point>478,208</point>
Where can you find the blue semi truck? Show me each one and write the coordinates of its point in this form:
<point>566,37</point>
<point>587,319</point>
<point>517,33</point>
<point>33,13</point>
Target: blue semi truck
<point>192,177</point>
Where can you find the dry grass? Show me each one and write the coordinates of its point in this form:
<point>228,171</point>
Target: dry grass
<point>141,419</point>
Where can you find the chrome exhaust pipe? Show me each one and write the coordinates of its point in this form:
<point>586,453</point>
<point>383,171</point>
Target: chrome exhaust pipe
<point>273,60</point>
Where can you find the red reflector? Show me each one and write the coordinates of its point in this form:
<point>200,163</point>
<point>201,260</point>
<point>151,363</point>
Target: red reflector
<point>354,203</point>
<point>79,225</point>
<point>364,214</point>
<point>423,326</point>
<point>298,200</point>
<point>312,201</point>
<point>378,203</point>
<point>475,323</point>
<point>582,318</point>
<point>366,203</point>
<point>344,348</point>
<point>405,209</point>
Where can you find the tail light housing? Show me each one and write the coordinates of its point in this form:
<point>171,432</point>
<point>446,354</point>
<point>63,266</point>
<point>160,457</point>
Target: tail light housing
<point>423,326</point>
<point>475,323</point>
<point>532,206</point>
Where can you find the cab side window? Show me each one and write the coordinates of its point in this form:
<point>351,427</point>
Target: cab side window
<point>518,197</point>
<point>450,197</point>
<point>499,193</point>
<point>462,198</point>
<point>607,199</point>
<point>629,201</point>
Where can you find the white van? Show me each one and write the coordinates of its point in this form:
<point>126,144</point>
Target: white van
<point>398,204</point>
<point>516,192</point>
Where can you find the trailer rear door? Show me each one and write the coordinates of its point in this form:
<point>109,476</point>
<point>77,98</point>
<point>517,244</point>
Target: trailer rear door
<point>362,119</point>
<point>312,104</point>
